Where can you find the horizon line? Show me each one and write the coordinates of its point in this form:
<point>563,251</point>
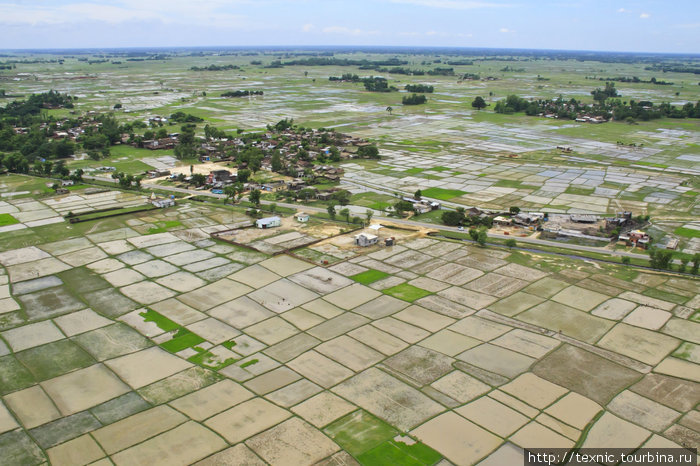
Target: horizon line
<point>327,47</point>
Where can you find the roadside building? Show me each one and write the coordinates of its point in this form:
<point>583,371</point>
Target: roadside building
<point>268,222</point>
<point>366,239</point>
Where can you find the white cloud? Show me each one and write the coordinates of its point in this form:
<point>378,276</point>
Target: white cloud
<point>621,10</point>
<point>211,13</point>
<point>307,27</point>
<point>505,30</point>
<point>645,15</point>
<point>452,4</point>
<point>348,31</point>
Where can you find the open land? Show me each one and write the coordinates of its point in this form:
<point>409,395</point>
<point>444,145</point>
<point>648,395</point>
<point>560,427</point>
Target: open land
<point>143,339</point>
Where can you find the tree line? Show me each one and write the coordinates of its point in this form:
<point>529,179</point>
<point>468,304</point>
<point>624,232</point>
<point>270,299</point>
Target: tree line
<point>243,93</point>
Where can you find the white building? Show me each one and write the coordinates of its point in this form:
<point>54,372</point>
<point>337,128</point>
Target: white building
<point>268,222</point>
<point>366,239</point>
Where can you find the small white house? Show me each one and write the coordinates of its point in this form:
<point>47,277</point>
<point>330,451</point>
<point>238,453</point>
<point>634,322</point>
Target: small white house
<point>302,217</point>
<point>163,203</point>
<point>366,239</point>
<point>268,222</point>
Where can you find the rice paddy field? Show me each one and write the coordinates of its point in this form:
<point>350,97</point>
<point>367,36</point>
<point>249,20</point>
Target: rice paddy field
<point>446,148</point>
<point>142,339</point>
<point>124,344</point>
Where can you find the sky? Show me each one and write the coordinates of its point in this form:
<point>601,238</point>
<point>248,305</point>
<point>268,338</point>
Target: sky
<point>668,26</point>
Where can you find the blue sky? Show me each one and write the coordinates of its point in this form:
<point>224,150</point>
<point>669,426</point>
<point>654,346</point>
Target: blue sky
<point>615,25</point>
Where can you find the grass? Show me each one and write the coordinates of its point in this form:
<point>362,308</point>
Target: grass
<point>161,321</point>
<point>687,232</point>
<point>579,191</point>
<point>407,292</point>
<point>13,375</point>
<point>7,219</point>
<point>658,294</point>
<point>163,227</point>
<point>53,359</point>
<point>359,432</point>
<point>413,171</point>
<point>684,351</point>
<point>442,194</point>
<point>112,213</point>
<point>393,452</point>
<point>228,344</point>
<point>507,183</point>
<point>207,359</point>
<point>369,276</point>
<point>183,339</point>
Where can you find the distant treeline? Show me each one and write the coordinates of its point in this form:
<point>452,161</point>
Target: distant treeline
<point>674,68</point>
<point>35,103</point>
<point>419,88</point>
<point>634,79</point>
<point>371,83</point>
<point>414,99</point>
<point>182,117</point>
<point>324,61</point>
<point>511,69</point>
<point>406,71</point>
<point>244,93</point>
<point>618,109</point>
<point>215,68</point>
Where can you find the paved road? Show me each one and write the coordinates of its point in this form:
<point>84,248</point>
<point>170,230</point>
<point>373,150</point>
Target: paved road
<point>307,208</point>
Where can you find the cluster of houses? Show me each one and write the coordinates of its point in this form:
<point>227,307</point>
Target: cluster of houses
<point>422,206</point>
<point>636,238</point>
<point>68,133</point>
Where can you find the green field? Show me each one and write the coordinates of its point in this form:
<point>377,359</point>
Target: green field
<point>407,292</point>
<point>7,219</point>
<point>687,232</point>
<point>369,276</point>
<point>442,194</point>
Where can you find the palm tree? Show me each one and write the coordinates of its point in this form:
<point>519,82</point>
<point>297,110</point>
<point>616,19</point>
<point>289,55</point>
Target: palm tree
<point>389,109</point>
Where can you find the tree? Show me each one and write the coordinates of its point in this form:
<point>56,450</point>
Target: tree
<point>368,214</point>
<point>481,237</point>
<point>331,211</point>
<point>626,260</point>
<point>452,218</point>
<point>511,243</point>
<point>254,197</point>
<point>514,210</point>
<point>345,213</point>
<point>370,152</point>
<point>473,234</point>
<point>77,175</point>
<point>684,264</point>
<point>660,259</point>
<point>696,263</point>
<point>198,179</point>
<point>243,175</point>
<point>232,190</point>
<point>479,103</point>
<point>403,206</point>
<point>184,151</point>
<point>418,194</point>
<point>342,197</point>
<point>389,109</point>
<point>276,162</point>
